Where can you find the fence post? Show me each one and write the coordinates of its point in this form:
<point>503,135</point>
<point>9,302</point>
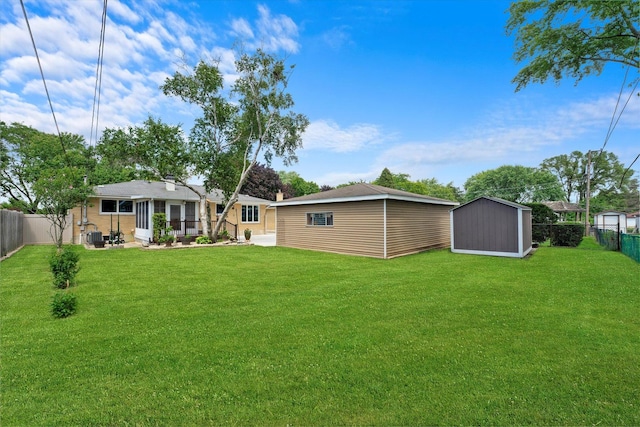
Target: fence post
<point>619,238</point>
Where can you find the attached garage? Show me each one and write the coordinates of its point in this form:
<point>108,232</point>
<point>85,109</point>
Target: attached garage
<point>491,226</point>
<point>364,219</point>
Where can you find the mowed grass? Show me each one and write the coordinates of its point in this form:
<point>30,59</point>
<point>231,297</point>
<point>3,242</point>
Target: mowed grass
<point>275,336</point>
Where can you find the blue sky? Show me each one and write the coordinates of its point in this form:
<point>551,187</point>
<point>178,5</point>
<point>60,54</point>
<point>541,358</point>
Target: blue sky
<point>421,87</point>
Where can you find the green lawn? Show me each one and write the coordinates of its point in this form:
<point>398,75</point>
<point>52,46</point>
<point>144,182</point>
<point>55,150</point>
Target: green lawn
<point>276,336</point>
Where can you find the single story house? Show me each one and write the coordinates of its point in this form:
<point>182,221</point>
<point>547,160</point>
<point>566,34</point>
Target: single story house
<point>364,219</point>
<point>491,226</point>
<point>610,220</point>
<point>129,207</point>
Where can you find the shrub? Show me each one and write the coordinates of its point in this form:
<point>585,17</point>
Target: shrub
<point>567,234</point>
<point>159,224</point>
<point>64,304</point>
<point>541,217</point>
<point>64,266</point>
<point>203,240</point>
<point>540,232</point>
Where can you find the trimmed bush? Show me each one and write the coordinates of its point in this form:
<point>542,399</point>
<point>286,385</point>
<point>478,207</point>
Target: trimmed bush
<point>64,304</point>
<point>159,220</point>
<point>542,216</point>
<point>567,234</point>
<point>64,266</point>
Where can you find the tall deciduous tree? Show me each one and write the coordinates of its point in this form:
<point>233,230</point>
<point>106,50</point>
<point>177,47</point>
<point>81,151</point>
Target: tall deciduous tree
<point>606,176</point>
<point>263,182</point>
<point>231,137</point>
<point>518,184</point>
<point>573,38</point>
<point>428,187</point>
<point>159,151</point>
<point>569,170</point>
<point>59,190</point>
<point>27,153</point>
<point>298,185</point>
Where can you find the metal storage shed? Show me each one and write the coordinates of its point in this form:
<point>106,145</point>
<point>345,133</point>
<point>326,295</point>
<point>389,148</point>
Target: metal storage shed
<point>491,226</point>
<point>610,220</point>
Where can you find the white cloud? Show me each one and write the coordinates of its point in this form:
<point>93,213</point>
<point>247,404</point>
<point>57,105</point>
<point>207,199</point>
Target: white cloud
<point>272,32</point>
<point>276,32</point>
<point>337,178</point>
<point>241,28</point>
<point>512,134</point>
<point>327,135</point>
<point>123,12</point>
<point>337,37</point>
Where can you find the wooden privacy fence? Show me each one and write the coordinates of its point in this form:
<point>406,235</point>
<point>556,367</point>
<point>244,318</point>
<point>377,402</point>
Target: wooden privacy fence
<point>11,231</point>
<point>17,229</point>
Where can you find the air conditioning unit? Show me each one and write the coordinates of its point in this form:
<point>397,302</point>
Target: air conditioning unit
<point>94,236</point>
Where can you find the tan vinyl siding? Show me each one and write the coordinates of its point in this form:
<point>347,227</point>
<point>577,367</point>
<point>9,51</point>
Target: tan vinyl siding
<point>414,227</point>
<point>357,229</point>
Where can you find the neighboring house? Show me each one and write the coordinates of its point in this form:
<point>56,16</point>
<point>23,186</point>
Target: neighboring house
<point>364,219</point>
<point>491,226</point>
<point>633,222</point>
<point>129,207</point>
<point>610,220</point>
<point>562,208</point>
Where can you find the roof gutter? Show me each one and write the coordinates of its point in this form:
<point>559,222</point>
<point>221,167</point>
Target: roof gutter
<point>365,198</point>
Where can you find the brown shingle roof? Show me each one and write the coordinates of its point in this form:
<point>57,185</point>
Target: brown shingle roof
<point>562,206</point>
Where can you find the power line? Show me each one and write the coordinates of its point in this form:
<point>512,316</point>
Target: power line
<point>24,11</point>
<point>628,169</point>
<point>613,116</point>
<point>98,87</point>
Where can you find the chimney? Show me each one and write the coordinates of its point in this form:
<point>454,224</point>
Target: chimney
<point>170,184</point>
<point>279,196</point>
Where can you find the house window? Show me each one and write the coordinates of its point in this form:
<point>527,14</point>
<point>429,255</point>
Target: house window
<point>250,213</point>
<point>219,208</point>
<point>190,211</point>
<point>320,219</point>
<point>142,215</point>
<point>116,206</point>
<point>159,206</point>
<point>125,206</point>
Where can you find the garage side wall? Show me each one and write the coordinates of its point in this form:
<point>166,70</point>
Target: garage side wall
<point>357,228</point>
<point>415,227</point>
<point>485,225</point>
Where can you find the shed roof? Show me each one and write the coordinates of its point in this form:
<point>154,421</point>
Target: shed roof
<point>497,200</point>
<point>562,206</point>
<point>140,189</point>
<point>610,212</point>
<point>361,192</point>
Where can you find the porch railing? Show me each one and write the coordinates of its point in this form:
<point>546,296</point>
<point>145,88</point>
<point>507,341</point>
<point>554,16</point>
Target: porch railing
<point>194,228</point>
